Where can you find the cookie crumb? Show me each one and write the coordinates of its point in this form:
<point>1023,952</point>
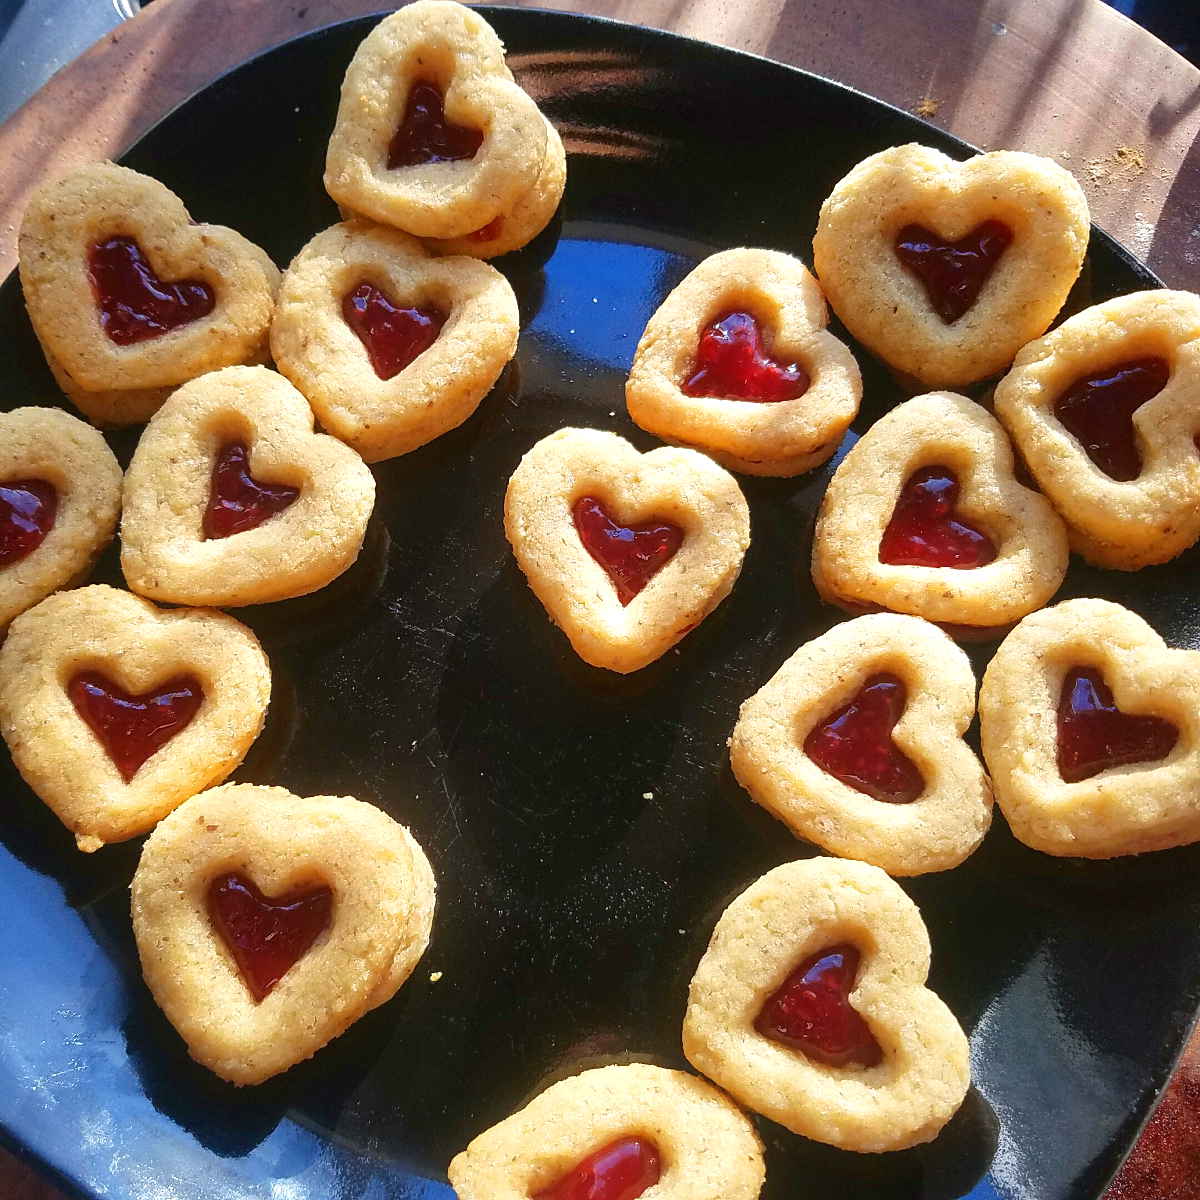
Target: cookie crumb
<point>927,106</point>
<point>647,795</point>
<point>1124,164</point>
<point>435,976</point>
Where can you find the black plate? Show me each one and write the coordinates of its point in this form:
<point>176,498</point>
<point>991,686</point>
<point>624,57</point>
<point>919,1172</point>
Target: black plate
<point>585,828</point>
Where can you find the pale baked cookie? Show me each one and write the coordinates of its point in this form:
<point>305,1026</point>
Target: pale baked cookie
<point>268,923</point>
<point>433,135</point>
<point>856,744</point>
<point>116,712</point>
<point>809,1006</point>
<point>737,362</point>
<point>924,516</point>
<point>644,1130</point>
<point>1090,726</point>
<point>60,495</point>
<point>627,552</point>
<point>1106,413</point>
<point>391,346</point>
<point>946,269</point>
<point>130,298</point>
<point>232,499</point>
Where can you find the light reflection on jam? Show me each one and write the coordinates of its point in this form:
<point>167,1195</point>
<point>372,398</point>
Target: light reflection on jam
<point>28,508</point>
<point>953,273</point>
<point>393,336</point>
<point>923,530</point>
<point>731,364</point>
<point>622,1170</point>
<point>630,554</point>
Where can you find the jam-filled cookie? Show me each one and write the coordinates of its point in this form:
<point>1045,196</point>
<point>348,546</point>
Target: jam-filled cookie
<point>810,1007</point>
<point>433,135</point>
<point>619,1131</point>
<point>737,362</point>
<point>392,346</point>
<point>856,744</point>
<point>60,495</point>
<point>130,298</point>
<point>268,923</point>
<point>232,499</point>
<point>925,516</point>
<point>1106,413</point>
<point>1090,725</point>
<point>116,712</point>
<point>627,552</point>
<point>946,269</point>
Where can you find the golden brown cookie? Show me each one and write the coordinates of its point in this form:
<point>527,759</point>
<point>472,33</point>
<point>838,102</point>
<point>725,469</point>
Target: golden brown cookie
<point>737,362</point>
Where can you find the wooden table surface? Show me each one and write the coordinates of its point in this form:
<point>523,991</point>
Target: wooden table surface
<point>1070,79</point>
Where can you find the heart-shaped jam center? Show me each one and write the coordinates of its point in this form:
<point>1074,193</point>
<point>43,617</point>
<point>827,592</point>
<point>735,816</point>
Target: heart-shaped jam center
<point>135,304</point>
<point>1094,734</point>
<point>393,336</point>
<point>924,532</point>
<point>811,1012</point>
<point>27,511</point>
<point>952,273</point>
<point>425,136</point>
<point>1098,410</point>
<point>731,364</point>
<point>855,744</point>
<point>622,1170</point>
<point>266,937</point>
<point>236,500</point>
<point>131,728</point>
<point>630,554</point>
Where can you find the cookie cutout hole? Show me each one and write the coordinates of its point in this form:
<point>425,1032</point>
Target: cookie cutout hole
<point>28,508</point>
<point>924,531</point>
<point>952,273</point>
<point>393,336</point>
<point>731,363</point>
<point>622,1170</point>
<point>631,555</point>
<point>426,135</point>
<point>236,500</point>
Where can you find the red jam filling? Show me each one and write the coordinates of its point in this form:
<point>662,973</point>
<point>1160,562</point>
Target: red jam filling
<point>924,532</point>
<point>135,304</point>
<point>731,364</point>
<point>132,728</point>
<point>622,1170</point>
<point>855,744</point>
<point>489,231</point>
<point>811,1012</point>
<point>425,136</point>
<point>236,500</point>
<point>952,273</point>
<point>393,336</point>
<point>631,555</point>
<point>1094,734</point>
<point>1098,411</point>
<point>27,511</point>
<point>266,937</point>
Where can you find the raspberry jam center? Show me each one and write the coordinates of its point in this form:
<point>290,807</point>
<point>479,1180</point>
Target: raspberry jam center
<point>1098,411</point>
<point>1094,734</point>
<point>811,1012</point>
<point>731,364</point>
<point>236,500</point>
<point>952,273</point>
<point>393,336</point>
<point>622,1170</point>
<point>426,136</point>
<point>266,937</point>
<point>630,554</point>
<point>855,744</point>
<point>489,231</point>
<point>27,511</point>
<point>131,728</point>
<point>135,305</point>
<point>924,532</point>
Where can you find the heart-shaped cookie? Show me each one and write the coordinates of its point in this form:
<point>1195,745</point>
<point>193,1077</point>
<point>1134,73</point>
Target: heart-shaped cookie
<point>1090,725</point>
<point>616,1131</point>
<point>232,499</point>
<point>1105,410</point>
<point>737,362</point>
<point>115,711</point>
<point>60,495</point>
<point>129,297</point>
<point>268,923</point>
<point>627,552</point>
<point>810,1007</point>
<point>856,744</point>
<point>433,136</point>
<point>925,516</point>
<point>946,269</point>
<point>391,346</point>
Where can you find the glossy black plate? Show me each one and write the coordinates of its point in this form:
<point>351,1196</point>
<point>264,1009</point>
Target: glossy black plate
<point>585,829</point>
